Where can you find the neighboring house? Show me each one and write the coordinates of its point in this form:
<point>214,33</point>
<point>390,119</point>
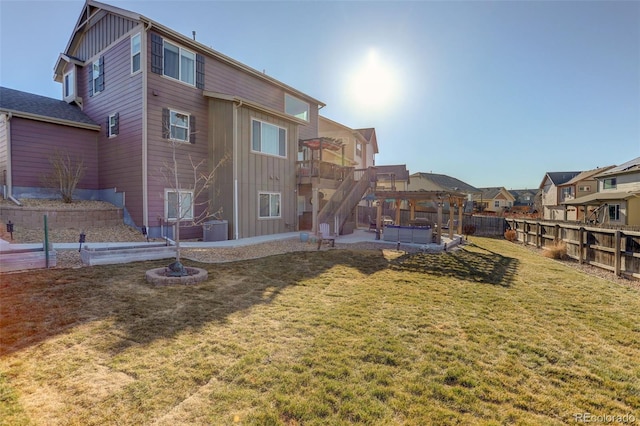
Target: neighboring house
<point>153,90</point>
<point>525,199</point>
<point>617,200</point>
<point>493,200</point>
<point>32,128</point>
<point>358,146</point>
<point>392,177</point>
<point>584,183</point>
<point>440,182</point>
<point>551,207</point>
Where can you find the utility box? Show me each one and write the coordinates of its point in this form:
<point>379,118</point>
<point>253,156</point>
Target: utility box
<point>215,230</point>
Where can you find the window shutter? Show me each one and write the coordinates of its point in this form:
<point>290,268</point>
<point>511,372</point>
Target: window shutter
<point>108,126</point>
<point>192,129</point>
<point>166,129</point>
<point>199,71</point>
<point>90,79</point>
<point>101,74</point>
<point>116,126</point>
<point>156,54</point>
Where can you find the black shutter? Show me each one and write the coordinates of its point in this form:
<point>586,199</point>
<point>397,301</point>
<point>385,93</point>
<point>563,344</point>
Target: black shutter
<point>199,71</point>
<point>116,125</point>
<point>90,79</point>
<point>192,129</point>
<point>100,79</point>
<point>108,125</point>
<point>165,123</point>
<point>156,53</point>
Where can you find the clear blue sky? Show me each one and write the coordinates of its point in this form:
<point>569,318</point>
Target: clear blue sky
<point>495,93</point>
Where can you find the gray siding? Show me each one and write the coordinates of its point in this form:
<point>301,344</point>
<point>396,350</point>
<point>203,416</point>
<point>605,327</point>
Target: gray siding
<point>3,149</point>
<point>107,30</point>
<point>120,156</point>
<point>33,143</point>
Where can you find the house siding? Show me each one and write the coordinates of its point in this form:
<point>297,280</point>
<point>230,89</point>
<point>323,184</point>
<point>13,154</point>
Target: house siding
<point>34,142</point>
<point>120,156</point>
<point>108,29</point>
<point>4,140</point>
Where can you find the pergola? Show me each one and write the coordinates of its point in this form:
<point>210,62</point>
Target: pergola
<point>455,200</point>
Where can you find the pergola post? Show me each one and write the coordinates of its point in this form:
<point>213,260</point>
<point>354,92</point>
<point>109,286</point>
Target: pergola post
<point>398,202</point>
<point>451,216</point>
<point>439,224</point>
<point>378,219</point>
<point>460,208</point>
<point>412,210</point>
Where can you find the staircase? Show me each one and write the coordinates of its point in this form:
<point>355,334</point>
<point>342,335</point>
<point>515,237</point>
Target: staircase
<point>346,198</point>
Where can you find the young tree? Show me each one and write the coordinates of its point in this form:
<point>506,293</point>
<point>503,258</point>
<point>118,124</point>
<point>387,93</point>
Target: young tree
<point>66,173</point>
<point>188,188</point>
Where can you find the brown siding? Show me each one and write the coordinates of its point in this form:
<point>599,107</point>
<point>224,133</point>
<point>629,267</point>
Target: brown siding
<point>221,144</point>
<point>33,143</point>
<point>120,156</point>
<point>3,149</point>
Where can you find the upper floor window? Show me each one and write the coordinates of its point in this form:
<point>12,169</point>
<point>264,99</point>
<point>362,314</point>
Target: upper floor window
<point>496,203</point>
<point>268,138</point>
<point>69,85</point>
<point>566,193</point>
<point>135,53</point>
<point>178,126</point>
<point>610,183</point>
<point>359,149</point>
<point>296,107</point>
<point>96,77</point>
<point>179,63</point>
<point>584,188</point>
<point>113,125</point>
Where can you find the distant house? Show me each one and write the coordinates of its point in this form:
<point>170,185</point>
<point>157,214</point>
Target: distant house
<point>32,128</point>
<point>137,92</point>
<point>551,197</point>
<point>493,200</point>
<point>525,199</point>
<point>439,182</point>
<point>357,147</point>
<point>584,183</point>
<point>392,177</point>
<point>617,199</point>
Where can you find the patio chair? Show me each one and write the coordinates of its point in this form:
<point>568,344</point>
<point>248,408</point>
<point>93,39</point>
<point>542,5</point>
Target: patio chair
<point>372,224</point>
<point>324,234</point>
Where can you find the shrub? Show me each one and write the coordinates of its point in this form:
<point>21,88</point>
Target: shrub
<point>558,251</point>
<point>511,235</point>
<point>468,230</point>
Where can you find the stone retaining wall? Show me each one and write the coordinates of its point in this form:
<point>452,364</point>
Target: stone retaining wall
<point>30,217</point>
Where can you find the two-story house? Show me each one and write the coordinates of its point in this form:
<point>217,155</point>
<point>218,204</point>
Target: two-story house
<point>583,184</point>
<point>439,182</point>
<point>159,95</point>
<point>551,197</point>
<point>525,199</point>
<point>493,200</point>
<point>617,198</point>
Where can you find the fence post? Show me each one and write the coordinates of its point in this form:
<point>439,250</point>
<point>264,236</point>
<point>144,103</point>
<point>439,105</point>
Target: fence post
<point>580,245</point>
<point>525,233</point>
<point>557,234</point>
<point>617,265</point>
<point>538,235</point>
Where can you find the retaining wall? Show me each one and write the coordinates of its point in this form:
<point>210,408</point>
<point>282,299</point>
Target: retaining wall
<point>32,217</point>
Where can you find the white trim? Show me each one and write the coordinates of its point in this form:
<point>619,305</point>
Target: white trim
<point>279,194</point>
<point>180,207</point>
<point>72,93</point>
<point>180,49</point>
<point>171,138</point>
<point>288,96</point>
<point>145,143</point>
<point>286,137</point>
<point>112,135</point>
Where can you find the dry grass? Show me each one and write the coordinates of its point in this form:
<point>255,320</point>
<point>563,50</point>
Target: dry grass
<point>558,251</point>
<point>493,334</point>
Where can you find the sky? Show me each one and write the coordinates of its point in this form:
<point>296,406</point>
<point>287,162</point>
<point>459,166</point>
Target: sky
<point>494,93</point>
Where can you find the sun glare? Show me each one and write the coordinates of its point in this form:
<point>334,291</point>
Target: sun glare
<point>373,84</point>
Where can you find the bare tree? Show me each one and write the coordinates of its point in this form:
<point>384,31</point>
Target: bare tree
<point>66,173</point>
<point>197,184</point>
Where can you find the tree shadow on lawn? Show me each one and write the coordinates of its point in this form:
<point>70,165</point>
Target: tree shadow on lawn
<point>37,305</point>
<point>465,264</point>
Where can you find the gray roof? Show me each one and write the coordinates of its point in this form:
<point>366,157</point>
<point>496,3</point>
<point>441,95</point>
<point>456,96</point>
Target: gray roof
<point>558,178</point>
<point>36,105</point>
<point>490,193</point>
<point>447,183</point>
<point>628,167</point>
<point>400,171</point>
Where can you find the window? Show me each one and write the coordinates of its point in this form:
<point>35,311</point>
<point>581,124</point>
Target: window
<point>69,85</point>
<point>96,77</point>
<point>178,126</point>
<point>614,212</point>
<point>610,183</point>
<point>296,107</point>
<point>359,149</point>
<point>135,53</point>
<point>269,203</point>
<point>179,63</point>
<point>113,125</point>
<point>566,193</point>
<point>268,139</point>
<point>584,188</point>
<point>178,201</point>
<point>496,203</point>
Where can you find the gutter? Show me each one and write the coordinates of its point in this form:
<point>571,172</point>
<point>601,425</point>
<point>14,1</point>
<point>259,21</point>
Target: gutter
<point>145,145</point>
<point>236,213</point>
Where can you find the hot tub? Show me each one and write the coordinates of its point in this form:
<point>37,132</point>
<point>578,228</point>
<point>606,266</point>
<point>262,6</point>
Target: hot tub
<point>408,234</point>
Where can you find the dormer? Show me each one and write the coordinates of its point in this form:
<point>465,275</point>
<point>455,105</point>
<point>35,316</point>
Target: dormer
<point>68,76</point>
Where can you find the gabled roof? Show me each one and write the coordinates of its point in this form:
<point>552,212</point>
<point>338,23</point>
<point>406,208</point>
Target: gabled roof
<point>558,178</point>
<point>493,192</point>
<point>36,107</point>
<point>445,183</point>
<point>628,167</point>
<point>399,170</point>
<point>92,10</point>
<point>370,135</point>
<point>589,174</point>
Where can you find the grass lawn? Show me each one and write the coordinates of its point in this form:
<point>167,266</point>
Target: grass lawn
<point>492,334</point>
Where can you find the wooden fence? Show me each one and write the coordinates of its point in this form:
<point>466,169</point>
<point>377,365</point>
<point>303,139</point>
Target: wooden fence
<point>616,250</point>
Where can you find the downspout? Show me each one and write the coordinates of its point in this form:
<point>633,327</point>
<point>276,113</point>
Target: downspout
<point>9,173</point>
<point>236,214</point>
<point>145,145</point>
